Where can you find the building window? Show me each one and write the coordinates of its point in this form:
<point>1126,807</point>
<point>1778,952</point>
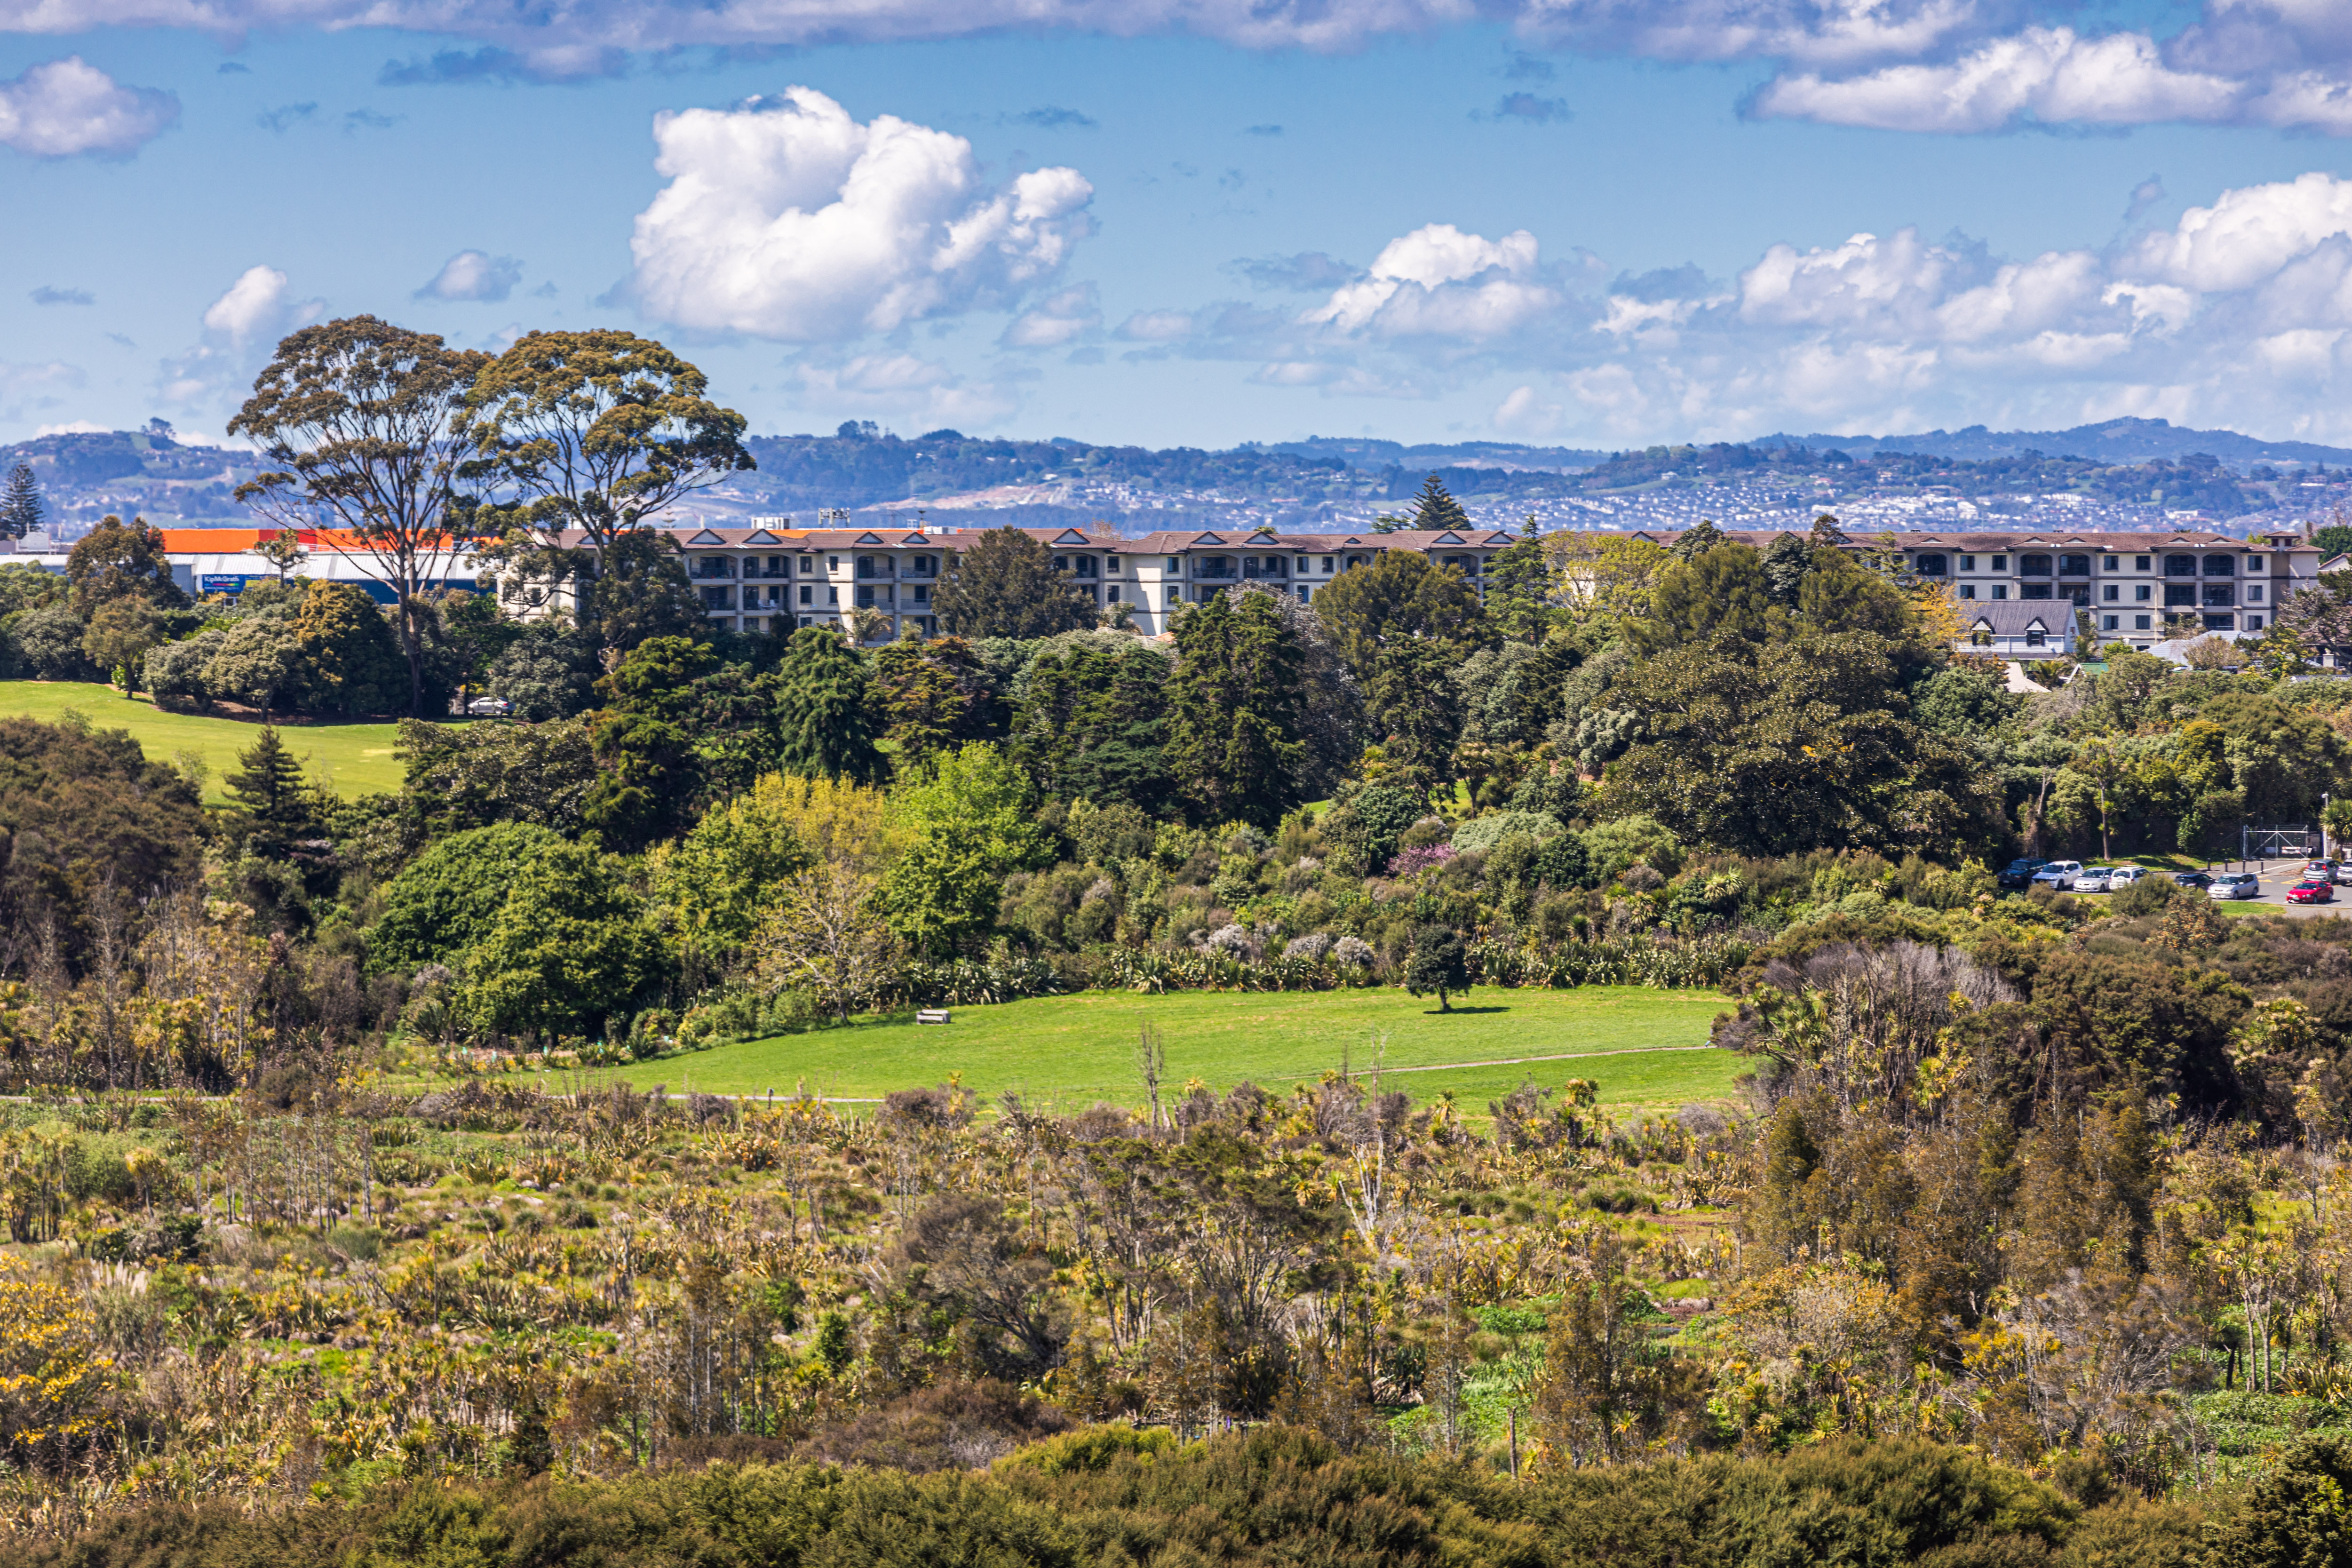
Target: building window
<point>2181,566</point>
<point>1931,565</point>
<point>2000,590</point>
<point>1968,563</point>
<point>2221,566</point>
<point>1326,565</point>
<point>2254,623</point>
<point>2110,622</point>
<point>1306,594</point>
<point>807,619</point>
<point>805,593</point>
<point>2253,563</point>
<point>2139,623</point>
<point>2179,593</point>
<point>2074,566</point>
<point>2035,638</point>
<point>808,565</point>
<point>2218,623</point>
<point>1086,566</point>
<point>923,567</point>
<point>2111,563</point>
<point>2001,562</point>
<point>1061,564</point>
<point>1110,566</point>
<point>923,593</point>
<point>2253,593</point>
<point>2033,567</point>
<point>1968,590</point>
<point>833,596</point>
<point>1110,592</point>
<point>2140,562</point>
<point>2034,591</point>
<point>717,599</point>
<point>2112,594</point>
<point>2142,592</point>
<point>1174,564</point>
<point>833,563</point>
<point>2219,594</point>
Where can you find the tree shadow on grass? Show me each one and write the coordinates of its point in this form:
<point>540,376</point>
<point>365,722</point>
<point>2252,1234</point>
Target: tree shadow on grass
<point>1459,1012</point>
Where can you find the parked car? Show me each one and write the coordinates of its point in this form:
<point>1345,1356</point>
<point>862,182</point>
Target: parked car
<point>2342,877</point>
<point>2123,876</point>
<point>2058,874</point>
<point>2018,875</point>
<point>489,707</point>
<point>2193,879</point>
<point>2236,885</point>
<point>2312,892</point>
<point>2094,879</point>
<point>2318,871</point>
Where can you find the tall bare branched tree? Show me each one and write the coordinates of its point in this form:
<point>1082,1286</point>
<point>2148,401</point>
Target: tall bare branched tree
<point>365,425</point>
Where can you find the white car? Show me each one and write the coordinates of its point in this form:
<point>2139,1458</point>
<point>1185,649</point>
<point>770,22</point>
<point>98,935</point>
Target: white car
<point>2059,875</point>
<point>489,708</point>
<point>2236,885</point>
<point>2123,876</point>
<point>2094,879</point>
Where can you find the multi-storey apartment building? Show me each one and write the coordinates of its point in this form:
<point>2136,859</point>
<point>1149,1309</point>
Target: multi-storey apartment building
<point>775,579</point>
<point>2128,583</point>
<point>2017,592</point>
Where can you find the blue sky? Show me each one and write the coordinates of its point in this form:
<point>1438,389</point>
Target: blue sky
<point>1556,221</point>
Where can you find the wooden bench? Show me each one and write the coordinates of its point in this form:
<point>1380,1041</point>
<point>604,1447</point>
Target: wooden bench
<point>933,1015</point>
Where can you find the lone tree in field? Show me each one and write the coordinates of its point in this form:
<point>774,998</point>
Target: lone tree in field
<point>1005,586</point>
<point>1440,962</point>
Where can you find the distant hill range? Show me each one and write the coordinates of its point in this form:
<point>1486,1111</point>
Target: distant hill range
<point>945,476</point>
<point>2116,441</point>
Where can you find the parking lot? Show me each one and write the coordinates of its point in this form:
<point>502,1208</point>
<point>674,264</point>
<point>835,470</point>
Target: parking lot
<point>2277,877</point>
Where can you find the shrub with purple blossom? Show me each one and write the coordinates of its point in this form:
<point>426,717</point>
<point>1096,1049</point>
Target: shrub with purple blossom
<point>1411,862</point>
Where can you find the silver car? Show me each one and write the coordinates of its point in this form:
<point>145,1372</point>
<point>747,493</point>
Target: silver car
<point>2059,875</point>
<point>2094,879</point>
<point>2236,885</point>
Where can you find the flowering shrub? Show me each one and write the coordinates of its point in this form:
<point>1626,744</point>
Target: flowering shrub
<point>1413,862</point>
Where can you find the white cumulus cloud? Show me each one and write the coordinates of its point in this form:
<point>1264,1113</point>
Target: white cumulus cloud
<point>1439,282</point>
<point>69,106</point>
<point>2239,313</point>
<point>2050,75</point>
<point>785,218</point>
<point>240,329</point>
<point>474,275</point>
<point>1056,320</point>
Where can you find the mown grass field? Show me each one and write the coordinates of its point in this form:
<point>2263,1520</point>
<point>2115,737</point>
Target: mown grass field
<point>353,759</point>
<point>1644,1047</point>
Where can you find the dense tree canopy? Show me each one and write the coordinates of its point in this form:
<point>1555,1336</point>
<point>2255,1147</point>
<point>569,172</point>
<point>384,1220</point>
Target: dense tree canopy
<point>1005,585</point>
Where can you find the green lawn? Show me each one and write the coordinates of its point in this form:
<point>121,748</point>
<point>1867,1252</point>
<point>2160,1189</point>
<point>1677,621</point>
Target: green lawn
<point>355,759</point>
<point>1069,1051</point>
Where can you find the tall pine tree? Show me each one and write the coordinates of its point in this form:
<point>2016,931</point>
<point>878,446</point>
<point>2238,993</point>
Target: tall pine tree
<point>21,507</point>
<point>827,727</point>
<point>1235,705</point>
<point>1434,507</point>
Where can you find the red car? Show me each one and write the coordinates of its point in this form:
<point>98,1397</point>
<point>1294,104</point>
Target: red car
<point>2311,893</point>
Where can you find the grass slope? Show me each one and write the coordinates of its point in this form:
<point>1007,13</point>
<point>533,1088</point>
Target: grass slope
<point>1068,1051</point>
<point>355,759</point>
